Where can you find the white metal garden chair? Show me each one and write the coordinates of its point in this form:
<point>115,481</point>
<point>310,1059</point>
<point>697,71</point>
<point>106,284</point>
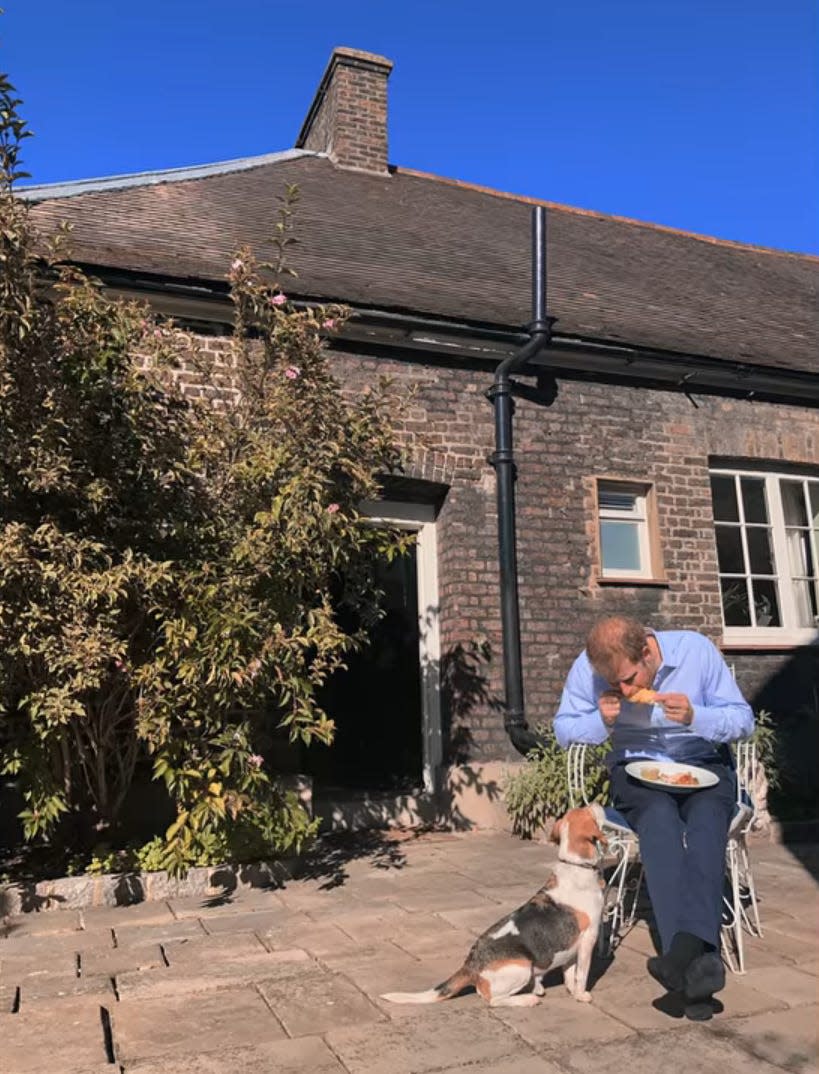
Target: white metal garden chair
<point>626,877</point>
<point>741,911</point>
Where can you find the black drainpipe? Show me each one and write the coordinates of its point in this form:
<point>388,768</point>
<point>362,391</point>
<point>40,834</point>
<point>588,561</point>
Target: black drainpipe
<point>503,461</point>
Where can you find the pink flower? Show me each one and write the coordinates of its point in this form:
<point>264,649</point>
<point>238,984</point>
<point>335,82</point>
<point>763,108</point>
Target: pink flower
<point>237,265</point>
<point>329,324</point>
<point>278,300</point>
<point>256,760</point>
<point>292,372</point>
<point>332,508</point>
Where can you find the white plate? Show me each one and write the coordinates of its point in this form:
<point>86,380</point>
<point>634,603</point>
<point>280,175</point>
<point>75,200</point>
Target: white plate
<point>703,777</point>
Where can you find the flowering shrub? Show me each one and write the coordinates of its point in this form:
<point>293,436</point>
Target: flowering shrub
<point>171,571</point>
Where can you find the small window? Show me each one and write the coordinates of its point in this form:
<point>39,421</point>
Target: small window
<point>626,531</point>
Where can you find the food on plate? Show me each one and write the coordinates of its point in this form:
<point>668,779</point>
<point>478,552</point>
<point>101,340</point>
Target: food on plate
<point>676,779</point>
<point>643,696</point>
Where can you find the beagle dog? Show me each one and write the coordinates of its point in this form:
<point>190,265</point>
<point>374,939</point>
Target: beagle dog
<point>556,928</point>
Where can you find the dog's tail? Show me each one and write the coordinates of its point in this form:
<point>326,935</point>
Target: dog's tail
<point>449,988</point>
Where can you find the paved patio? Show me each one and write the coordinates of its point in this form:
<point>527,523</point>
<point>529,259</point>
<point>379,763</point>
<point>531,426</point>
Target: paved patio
<point>288,980</point>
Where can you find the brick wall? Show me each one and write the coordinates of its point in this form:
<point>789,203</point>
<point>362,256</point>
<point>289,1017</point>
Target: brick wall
<point>590,430</point>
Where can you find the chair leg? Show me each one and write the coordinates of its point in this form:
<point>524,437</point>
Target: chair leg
<point>732,932</point>
<point>750,914</point>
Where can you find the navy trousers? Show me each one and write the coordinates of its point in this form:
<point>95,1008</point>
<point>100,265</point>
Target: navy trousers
<point>682,846</point>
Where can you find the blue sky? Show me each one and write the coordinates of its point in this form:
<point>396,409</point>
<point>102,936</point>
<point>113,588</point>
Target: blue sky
<point>698,115</point>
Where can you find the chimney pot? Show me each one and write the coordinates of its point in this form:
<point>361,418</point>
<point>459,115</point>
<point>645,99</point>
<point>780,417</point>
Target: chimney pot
<point>348,117</point>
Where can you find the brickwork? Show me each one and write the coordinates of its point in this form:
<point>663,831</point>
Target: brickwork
<point>590,431</point>
<point>348,118</point>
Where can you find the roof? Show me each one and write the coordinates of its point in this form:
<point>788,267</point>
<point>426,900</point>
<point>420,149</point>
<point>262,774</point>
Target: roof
<point>417,243</point>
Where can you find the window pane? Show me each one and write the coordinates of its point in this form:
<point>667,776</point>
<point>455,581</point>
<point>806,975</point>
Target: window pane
<point>612,500</point>
<point>800,554</point>
<point>813,490</point>
<point>620,544</point>
<point>805,599</point>
<point>753,499</point>
<point>729,550</point>
<point>735,610</point>
<point>723,494</point>
<point>759,550</point>
<point>793,503</point>
<point>766,603</point>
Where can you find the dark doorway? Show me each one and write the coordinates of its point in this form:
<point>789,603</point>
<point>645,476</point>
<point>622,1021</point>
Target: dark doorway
<point>376,703</point>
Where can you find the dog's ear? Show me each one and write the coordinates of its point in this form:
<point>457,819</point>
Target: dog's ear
<point>554,835</point>
<point>601,839</point>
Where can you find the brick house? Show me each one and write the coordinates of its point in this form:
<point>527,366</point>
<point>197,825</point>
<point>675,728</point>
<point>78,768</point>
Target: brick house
<point>667,441</point>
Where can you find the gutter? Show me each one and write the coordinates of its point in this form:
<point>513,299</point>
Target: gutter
<point>503,462</point>
<point>403,336</point>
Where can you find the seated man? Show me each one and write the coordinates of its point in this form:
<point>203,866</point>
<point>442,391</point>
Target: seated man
<point>698,710</point>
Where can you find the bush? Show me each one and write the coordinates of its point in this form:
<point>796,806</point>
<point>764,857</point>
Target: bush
<point>171,568</point>
<point>539,791</point>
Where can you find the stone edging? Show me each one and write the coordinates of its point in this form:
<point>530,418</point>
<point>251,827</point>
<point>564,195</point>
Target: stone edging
<point>124,889</point>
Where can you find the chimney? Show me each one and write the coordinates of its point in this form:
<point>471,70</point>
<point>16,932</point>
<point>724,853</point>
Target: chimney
<point>348,117</point>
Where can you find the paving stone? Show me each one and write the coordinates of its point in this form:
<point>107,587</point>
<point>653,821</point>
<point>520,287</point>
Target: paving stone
<point>45,924</point>
<point>50,944</point>
<point>30,1042</point>
<point>209,975</point>
<point>440,898</point>
<point>202,950</point>
<point>688,1048</point>
<point>560,1022</point>
<point>321,941</point>
<point>530,1065</point>
<point>239,903</point>
<point>43,989</point>
<point>428,934</point>
<point>787,1039</point>
<point>404,1048</point>
<point>120,960</point>
<point>63,963</point>
<point>258,921</point>
<point>318,1003</point>
<point>140,913</point>
<point>475,921</point>
<point>174,1026</point>
<point>137,935</point>
<point>307,1055</point>
<point>786,983</point>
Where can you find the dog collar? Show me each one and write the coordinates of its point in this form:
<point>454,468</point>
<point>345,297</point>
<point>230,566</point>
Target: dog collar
<point>579,864</point>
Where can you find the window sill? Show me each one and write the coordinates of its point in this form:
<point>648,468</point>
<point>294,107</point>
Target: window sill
<point>768,639</point>
<point>610,579</point>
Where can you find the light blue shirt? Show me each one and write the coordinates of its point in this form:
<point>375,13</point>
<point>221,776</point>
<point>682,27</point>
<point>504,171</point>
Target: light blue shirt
<point>690,665</point>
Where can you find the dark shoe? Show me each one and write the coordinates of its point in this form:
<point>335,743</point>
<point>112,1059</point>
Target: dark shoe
<point>704,976</point>
<point>670,968</point>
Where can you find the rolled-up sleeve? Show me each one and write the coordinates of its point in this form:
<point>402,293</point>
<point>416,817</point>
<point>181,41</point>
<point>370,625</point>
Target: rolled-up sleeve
<point>578,718</point>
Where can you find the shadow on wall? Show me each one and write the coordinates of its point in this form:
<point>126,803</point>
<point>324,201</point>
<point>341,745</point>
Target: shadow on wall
<point>791,695</point>
<point>464,692</point>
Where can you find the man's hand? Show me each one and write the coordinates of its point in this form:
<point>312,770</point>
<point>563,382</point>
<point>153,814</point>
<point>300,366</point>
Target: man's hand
<point>676,707</point>
<point>609,705</point>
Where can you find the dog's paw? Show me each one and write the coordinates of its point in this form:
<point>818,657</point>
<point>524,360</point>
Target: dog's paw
<point>583,997</point>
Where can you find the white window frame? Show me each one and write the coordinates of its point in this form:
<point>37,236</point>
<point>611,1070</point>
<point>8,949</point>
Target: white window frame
<point>788,635</point>
<point>420,518</point>
<point>643,515</point>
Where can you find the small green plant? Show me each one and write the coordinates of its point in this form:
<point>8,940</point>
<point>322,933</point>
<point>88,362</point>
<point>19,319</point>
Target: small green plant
<point>768,752</point>
<point>539,791</point>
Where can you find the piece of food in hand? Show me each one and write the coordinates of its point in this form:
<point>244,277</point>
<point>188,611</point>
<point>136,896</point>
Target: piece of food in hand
<point>643,696</point>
